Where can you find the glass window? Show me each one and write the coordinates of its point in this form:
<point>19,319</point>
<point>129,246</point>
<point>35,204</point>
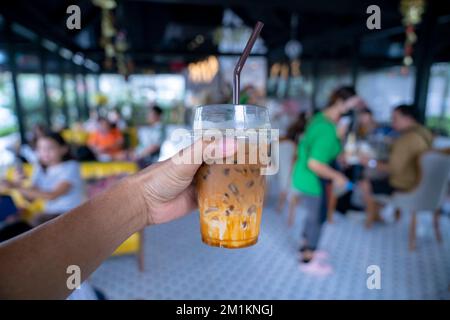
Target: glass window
<point>71,98</point>
<point>31,94</point>
<point>31,91</point>
<point>55,99</point>
<point>438,100</point>
<point>332,74</point>
<point>385,89</point>
<point>91,83</point>
<point>32,118</point>
<point>114,88</point>
<point>81,90</point>
<point>8,120</point>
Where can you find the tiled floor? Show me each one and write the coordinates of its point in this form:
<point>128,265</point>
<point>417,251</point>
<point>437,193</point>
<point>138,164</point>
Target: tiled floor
<point>179,266</point>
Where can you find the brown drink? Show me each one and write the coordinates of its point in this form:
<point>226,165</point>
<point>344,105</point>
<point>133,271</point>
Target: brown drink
<point>230,198</point>
<point>231,194</point>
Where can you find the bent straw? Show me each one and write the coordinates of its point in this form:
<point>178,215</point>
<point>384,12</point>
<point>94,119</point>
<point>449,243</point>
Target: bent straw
<point>240,64</point>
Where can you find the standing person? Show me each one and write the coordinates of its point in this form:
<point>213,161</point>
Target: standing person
<point>56,178</point>
<point>318,148</point>
<point>150,138</point>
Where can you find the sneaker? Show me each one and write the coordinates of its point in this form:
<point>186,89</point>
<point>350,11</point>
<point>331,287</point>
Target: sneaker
<point>321,255</point>
<point>318,254</point>
<point>316,268</point>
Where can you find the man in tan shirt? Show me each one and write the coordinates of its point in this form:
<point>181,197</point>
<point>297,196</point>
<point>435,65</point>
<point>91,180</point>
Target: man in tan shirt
<point>403,165</point>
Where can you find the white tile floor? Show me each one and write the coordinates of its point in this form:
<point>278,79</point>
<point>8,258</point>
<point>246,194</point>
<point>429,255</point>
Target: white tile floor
<point>179,266</point>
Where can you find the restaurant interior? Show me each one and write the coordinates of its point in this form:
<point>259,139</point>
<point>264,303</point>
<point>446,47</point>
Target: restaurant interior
<point>110,81</point>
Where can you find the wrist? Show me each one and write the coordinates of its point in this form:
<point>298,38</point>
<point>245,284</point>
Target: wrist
<point>129,196</point>
<point>135,187</point>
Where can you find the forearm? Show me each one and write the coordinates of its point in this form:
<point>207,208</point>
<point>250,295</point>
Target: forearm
<point>322,170</point>
<point>32,194</point>
<point>34,265</point>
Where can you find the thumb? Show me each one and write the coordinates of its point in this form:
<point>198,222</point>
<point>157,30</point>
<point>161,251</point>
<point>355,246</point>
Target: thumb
<point>186,162</point>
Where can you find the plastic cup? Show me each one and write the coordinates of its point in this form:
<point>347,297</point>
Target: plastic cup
<point>231,194</point>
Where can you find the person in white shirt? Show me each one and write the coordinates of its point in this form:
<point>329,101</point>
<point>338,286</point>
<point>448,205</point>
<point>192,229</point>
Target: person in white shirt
<point>150,138</point>
<point>91,124</point>
<point>56,178</point>
<point>115,117</point>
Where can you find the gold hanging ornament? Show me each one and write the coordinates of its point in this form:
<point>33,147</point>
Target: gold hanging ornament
<point>113,42</point>
<point>412,11</point>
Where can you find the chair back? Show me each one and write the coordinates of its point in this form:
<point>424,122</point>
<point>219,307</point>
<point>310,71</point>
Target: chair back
<point>434,174</point>
<point>285,157</point>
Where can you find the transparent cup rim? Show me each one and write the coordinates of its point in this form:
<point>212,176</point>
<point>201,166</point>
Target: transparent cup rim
<point>225,105</point>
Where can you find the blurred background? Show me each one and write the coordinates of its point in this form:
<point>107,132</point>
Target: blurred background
<point>142,66</point>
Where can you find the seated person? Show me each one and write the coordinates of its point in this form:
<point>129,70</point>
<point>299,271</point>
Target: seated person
<point>150,138</point>
<point>402,168</point>
<point>8,210</point>
<point>365,123</point>
<point>106,142</point>
<point>56,179</point>
<point>115,117</point>
<point>91,124</point>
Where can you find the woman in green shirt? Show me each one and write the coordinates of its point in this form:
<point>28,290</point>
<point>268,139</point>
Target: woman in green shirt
<point>318,148</point>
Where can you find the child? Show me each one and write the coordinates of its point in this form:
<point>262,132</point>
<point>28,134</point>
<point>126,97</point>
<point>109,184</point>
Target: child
<point>56,178</point>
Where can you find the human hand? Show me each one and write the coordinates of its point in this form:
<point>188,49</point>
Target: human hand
<point>27,193</point>
<point>4,186</point>
<point>165,188</point>
<point>340,180</point>
<point>364,160</point>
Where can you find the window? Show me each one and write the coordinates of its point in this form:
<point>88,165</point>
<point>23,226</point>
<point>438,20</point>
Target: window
<point>385,89</point>
<point>438,100</point>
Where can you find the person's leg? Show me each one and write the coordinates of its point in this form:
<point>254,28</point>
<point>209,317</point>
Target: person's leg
<point>412,231</point>
<point>371,205</point>
<point>293,202</point>
<point>437,229</point>
<point>313,259</point>
<point>281,201</point>
<point>311,230</point>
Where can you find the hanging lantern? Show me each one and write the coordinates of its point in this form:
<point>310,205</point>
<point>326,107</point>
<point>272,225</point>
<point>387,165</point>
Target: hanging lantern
<point>412,11</point>
<point>113,42</point>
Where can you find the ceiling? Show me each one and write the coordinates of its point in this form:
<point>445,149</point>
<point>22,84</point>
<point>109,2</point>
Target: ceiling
<point>159,31</point>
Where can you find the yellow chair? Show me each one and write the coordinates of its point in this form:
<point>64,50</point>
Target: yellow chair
<point>89,171</point>
<point>131,132</point>
<point>77,137</point>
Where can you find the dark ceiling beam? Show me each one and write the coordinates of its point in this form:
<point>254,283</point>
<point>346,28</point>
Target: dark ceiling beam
<point>23,14</point>
<point>396,30</point>
<point>344,7</point>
